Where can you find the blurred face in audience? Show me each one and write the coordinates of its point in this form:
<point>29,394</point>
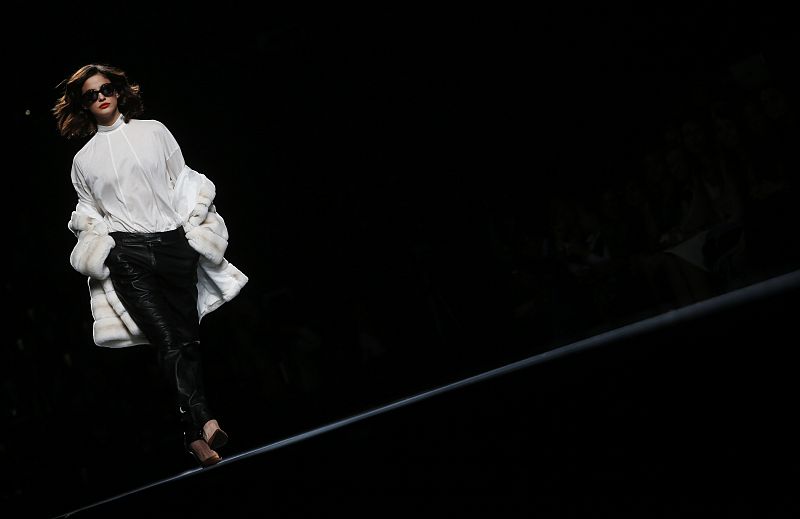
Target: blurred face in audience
<point>693,136</point>
<point>774,103</point>
<point>726,133</point>
<point>676,165</point>
<point>754,118</point>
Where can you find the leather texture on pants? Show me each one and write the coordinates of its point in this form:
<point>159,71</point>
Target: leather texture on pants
<point>155,278</point>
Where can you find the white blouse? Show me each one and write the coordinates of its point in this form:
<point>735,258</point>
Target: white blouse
<point>127,173</point>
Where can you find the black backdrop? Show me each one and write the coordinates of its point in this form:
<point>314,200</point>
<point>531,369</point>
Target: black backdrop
<point>359,160</point>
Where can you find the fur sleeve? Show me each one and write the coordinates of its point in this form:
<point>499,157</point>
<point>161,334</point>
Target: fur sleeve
<point>90,252</point>
<point>210,238</point>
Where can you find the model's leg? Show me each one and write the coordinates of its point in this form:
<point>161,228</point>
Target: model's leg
<point>136,278</point>
<point>177,273</point>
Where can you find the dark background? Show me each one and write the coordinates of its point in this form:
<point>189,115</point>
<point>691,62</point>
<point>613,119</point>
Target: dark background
<point>391,184</point>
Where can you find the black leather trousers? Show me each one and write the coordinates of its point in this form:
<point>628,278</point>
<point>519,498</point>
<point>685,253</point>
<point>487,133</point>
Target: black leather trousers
<point>155,278</point>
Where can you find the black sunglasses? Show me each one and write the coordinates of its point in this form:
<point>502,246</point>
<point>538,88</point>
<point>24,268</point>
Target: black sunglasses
<point>90,96</point>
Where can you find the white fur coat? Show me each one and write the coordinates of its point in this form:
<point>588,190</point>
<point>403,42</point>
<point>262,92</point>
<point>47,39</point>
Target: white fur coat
<point>218,281</point>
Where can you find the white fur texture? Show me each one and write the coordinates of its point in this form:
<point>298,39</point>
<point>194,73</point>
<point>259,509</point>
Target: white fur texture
<point>210,238</point>
<point>218,281</point>
<point>89,254</point>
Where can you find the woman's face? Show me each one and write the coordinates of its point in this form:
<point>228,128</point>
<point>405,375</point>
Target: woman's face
<point>105,106</point>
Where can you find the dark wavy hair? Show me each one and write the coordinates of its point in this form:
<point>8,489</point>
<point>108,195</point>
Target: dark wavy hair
<point>75,120</point>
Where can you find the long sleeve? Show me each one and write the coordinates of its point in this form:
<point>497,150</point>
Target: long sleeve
<point>185,181</point>
<point>173,156</point>
<point>86,223</point>
<point>86,203</point>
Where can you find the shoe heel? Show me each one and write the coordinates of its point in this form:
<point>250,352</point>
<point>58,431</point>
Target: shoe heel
<point>218,438</point>
<point>202,453</point>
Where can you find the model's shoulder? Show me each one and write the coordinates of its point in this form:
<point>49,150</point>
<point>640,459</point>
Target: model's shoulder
<point>83,151</point>
<point>148,124</point>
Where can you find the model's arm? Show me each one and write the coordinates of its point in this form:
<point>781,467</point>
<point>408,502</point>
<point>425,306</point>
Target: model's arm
<point>176,168</point>
<point>173,155</point>
<point>87,224</point>
<point>86,203</point>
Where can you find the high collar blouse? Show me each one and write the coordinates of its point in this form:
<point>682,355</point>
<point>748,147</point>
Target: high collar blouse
<point>127,173</point>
